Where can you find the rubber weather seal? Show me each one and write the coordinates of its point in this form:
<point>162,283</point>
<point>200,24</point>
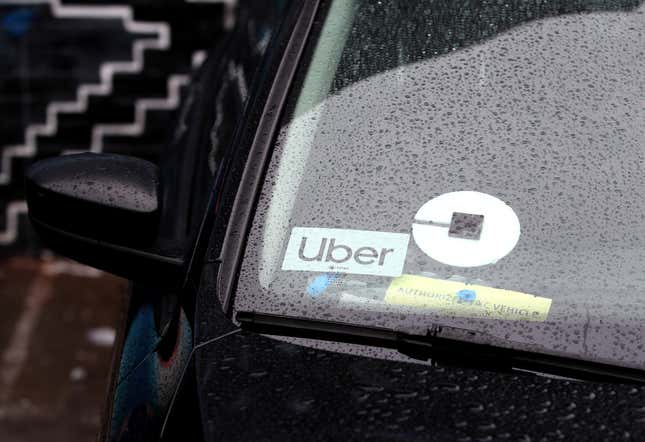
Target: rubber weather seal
<point>259,155</point>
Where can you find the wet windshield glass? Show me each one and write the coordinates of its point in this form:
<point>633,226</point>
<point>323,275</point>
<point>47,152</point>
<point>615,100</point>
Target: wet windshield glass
<point>473,164</point>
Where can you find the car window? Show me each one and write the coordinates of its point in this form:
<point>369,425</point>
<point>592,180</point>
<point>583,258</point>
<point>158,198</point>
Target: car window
<point>212,109</point>
<point>470,164</point>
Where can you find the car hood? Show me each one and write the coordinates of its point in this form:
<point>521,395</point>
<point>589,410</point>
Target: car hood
<point>254,387</point>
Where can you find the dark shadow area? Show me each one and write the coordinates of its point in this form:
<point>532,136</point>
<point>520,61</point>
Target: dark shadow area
<point>447,25</point>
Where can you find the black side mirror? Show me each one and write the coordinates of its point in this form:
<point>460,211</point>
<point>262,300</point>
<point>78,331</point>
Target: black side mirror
<point>102,210</point>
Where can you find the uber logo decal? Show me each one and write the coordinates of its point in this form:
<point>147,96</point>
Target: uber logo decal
<point>346,251</point>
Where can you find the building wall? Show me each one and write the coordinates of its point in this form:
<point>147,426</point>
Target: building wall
<point>103,76</point>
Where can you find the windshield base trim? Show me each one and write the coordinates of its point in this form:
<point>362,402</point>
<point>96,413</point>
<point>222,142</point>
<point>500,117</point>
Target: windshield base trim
<point>440,350</point>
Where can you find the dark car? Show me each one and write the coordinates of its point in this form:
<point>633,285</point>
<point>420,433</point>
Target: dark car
<point>385,220</point>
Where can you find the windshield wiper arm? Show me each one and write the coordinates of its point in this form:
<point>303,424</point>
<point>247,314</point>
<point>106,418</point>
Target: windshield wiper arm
<point>440,350</point>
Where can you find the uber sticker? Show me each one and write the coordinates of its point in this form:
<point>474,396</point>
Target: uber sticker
<point>466,229</point>
<point>361,252</point>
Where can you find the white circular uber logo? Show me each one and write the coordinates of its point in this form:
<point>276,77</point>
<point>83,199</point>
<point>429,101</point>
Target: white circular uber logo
<point>466,229</point>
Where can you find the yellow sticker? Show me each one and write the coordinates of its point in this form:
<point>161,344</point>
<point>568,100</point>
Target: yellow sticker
<point>466,300</point>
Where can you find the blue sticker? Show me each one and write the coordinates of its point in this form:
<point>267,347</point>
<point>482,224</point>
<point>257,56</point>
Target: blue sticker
<point>18,22</point>
<point>320,283</point>
<point>466,295</point>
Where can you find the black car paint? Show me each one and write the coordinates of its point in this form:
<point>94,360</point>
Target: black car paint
<point>157,333</point>
<point>258,388</point>
<point>240,385</point>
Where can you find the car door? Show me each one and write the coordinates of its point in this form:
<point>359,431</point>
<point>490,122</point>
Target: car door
<point>157,336</point>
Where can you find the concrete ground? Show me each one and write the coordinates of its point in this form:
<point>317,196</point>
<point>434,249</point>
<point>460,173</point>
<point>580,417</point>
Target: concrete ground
<point>57,329</point>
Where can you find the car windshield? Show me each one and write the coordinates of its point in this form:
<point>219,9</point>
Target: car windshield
<point>479,165</point>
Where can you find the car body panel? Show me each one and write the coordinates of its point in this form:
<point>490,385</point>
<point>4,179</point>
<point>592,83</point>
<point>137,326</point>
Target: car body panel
<point>256,388</point>
<point>158,332</point>
<point>248,386</point>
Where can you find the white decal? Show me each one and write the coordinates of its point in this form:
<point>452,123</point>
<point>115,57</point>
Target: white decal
<point>466,229</point>
<point>346,251</point>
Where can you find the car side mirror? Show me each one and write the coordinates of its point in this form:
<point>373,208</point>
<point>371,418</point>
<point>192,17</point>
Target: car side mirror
<point>102,210</point>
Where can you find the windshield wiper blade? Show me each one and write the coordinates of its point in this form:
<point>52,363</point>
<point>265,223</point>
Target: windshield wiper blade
<point>440,350</point>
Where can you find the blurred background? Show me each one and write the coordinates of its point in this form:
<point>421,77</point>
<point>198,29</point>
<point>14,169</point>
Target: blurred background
<point>87,75</point>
